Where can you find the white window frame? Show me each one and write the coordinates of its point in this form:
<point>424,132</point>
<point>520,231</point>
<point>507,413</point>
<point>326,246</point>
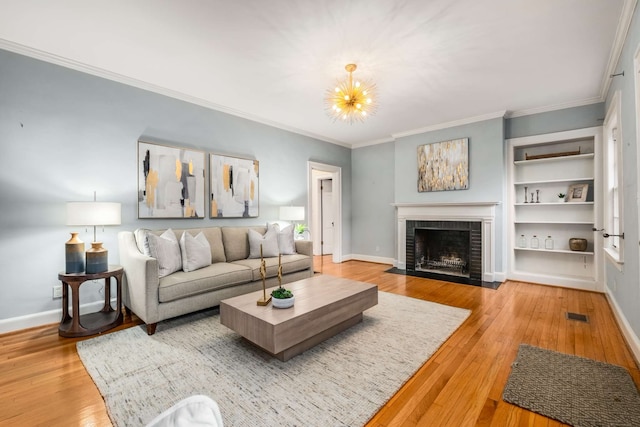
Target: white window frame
<point>613,182</point>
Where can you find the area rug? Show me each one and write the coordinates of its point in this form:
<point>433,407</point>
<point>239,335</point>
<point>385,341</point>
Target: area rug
<point>574,390</point>
<point>340,382</point>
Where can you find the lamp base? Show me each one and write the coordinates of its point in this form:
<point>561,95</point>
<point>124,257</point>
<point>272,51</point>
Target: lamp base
<point>97,259</point>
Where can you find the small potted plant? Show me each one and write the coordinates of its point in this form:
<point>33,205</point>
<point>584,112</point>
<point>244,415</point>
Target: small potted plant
<point>282,298</point>
<point>300,231</point>
<point>561,197</point>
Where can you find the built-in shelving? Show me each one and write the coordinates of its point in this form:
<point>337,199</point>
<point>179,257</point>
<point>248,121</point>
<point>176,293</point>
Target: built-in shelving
<point>537,212</point>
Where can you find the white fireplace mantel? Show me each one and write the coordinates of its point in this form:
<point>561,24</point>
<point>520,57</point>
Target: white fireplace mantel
<point>484,212</point>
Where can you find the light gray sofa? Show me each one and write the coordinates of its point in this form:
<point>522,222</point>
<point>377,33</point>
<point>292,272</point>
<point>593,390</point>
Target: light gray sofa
<point>231,273</point>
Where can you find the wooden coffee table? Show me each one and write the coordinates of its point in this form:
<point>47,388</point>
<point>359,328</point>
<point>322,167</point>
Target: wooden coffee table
<point>324,306</point>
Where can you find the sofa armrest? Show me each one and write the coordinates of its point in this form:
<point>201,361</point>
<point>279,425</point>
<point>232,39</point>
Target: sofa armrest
<point>304,247</point>
<point>141,280</point>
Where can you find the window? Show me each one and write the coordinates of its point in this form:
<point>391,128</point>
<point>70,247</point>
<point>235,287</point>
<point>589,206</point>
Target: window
<point>613,181</point>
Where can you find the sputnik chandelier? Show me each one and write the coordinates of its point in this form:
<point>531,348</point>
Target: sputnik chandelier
<point>351,101</point>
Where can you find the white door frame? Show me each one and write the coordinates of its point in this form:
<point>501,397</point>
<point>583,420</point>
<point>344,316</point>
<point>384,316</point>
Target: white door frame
<point>313,205</point>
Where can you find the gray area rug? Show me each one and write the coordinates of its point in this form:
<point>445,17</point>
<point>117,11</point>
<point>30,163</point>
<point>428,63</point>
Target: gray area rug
<point>574,390</point>
<point>340,382</point>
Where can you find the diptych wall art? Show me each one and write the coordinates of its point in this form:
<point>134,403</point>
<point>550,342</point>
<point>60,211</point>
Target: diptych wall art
<point>443,166</point>
<point>171,182</point>
<point>234,187</point>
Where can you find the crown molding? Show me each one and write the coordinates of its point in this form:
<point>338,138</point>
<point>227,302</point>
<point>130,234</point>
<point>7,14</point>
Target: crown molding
<point>454,123</point>
<point>538,110</point>
<point>119,78</point>
<point>624,23</point>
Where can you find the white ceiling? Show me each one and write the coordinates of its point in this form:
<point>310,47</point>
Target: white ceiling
<point>434,61</point>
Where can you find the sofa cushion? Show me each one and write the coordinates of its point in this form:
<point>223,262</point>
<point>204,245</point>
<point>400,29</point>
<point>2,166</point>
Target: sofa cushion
<point>196,252</point>
<point>216,276</point>
<point>263,245</point>
<point>290,264</point>
<point>236,242</point>
<point>166,249</point>
<point>140,235</point>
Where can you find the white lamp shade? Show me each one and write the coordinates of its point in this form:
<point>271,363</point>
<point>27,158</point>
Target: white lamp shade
<point>292,213</point>
<point>93,213</point>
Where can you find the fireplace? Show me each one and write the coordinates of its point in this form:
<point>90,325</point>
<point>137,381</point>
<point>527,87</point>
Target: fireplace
<point>445,250</point>
<point>474,215</point>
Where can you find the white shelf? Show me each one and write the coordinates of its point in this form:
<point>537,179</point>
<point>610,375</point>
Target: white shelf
<point>550,217</point>
<point>555,222</point>
<point>554,204</point>
<point>557,251</point>
<point>556,159</point>
<point>554,181</point>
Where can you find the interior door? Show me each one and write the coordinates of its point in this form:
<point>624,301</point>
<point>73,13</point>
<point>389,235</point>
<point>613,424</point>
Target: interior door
<point>327,219</point>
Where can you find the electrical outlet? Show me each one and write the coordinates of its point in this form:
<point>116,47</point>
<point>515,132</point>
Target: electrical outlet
<point>57,291</point>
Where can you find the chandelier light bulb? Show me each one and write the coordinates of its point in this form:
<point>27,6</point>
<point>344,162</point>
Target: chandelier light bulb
<point>351,100</point>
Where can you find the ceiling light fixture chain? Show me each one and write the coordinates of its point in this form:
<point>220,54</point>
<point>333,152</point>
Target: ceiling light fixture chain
<point>351,101</point>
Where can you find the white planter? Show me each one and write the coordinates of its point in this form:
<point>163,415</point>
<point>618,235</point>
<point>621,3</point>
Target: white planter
<point>282,302</point>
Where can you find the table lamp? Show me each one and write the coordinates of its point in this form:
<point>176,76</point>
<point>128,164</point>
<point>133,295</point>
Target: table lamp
<point>293,213</point>
<point>91,214</point>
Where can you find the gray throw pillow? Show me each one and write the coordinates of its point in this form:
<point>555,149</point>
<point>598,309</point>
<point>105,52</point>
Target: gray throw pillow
<point>269,243</point>
<point>166,249</point>
<point>196,251</point>
<point>142,241</point>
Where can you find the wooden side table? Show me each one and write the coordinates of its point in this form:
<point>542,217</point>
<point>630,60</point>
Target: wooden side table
<point>92,323</point>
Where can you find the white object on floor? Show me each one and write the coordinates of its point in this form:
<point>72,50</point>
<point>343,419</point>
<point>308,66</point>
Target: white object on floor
<point>196,410</point>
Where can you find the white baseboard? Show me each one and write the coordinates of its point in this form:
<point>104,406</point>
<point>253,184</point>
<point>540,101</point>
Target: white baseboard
<point>44,317</point>
<point>632,339</point>
<point>369,258</point>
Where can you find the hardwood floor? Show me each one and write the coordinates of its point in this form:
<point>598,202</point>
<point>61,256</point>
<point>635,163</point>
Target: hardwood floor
<point>43,382</point>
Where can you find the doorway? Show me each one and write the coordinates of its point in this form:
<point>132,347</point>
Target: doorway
<point>325,209</point>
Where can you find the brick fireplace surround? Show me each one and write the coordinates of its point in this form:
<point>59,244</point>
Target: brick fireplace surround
<point>483,212</point>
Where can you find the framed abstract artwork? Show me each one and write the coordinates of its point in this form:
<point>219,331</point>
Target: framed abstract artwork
<point>171,182</point>
<point>234,187</point>
<point>443,166</point>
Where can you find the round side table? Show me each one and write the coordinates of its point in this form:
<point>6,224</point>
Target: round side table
<point>92,323</point>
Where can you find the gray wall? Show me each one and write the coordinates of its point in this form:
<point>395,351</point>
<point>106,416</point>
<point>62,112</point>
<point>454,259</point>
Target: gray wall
<point>65,134</point>
<point>373,218</point>
<point>625,285</point>
<point>582,117</point>
<point>486,170</point>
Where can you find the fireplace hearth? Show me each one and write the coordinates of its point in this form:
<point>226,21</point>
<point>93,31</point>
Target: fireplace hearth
<point>445,250</point>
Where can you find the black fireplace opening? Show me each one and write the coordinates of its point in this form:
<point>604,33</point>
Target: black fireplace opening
<point>445,250</point>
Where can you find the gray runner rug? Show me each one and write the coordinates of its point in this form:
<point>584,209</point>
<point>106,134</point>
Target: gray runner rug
<point>340,382</point>
<point>574,390</point>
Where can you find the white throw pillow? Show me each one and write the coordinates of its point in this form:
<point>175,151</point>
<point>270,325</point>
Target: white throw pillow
<point>269,243</point>
<point>166,249</point>
<point>286,243</point>
<point>196,251</point>
<point>142,241</point>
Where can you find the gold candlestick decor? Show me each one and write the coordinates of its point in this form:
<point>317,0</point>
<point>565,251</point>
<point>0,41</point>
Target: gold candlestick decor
<point>263,273</point>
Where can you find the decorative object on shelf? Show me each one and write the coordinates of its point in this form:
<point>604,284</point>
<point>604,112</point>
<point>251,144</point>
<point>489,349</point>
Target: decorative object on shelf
<point>94,214</point>
<point>263,274</point>
<point>234,187</point>
<point>561,197</point>
<point>548,243</point>
<point>550,155</point>
<point>171,182</point>
<point>532,198</point>
<point>74,254</point>
<point>522,242</point>
<point>578,192</point>
<point>525,194</point>
<point>537,196</point>
<point>535,243</point>
<point>351,101</point>
<point>578,244</point>
<point>443,166</point>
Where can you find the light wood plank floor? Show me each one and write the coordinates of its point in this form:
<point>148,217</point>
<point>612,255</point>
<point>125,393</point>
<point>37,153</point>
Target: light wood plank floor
<point>43,382</point>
